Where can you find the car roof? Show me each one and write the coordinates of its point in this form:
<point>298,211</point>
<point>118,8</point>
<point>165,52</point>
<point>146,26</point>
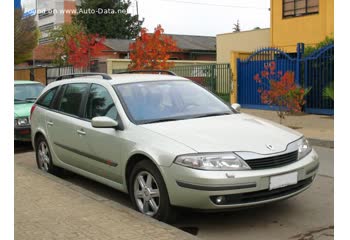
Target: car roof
<point>120,79</point>
<point>21,82</point>
<point>132,78</point>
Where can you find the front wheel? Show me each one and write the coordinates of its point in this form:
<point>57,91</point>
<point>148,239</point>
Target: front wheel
<point>148,192</point>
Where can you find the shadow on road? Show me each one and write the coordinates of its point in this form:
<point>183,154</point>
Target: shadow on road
<point>99,189</point>
<point>22,147</point>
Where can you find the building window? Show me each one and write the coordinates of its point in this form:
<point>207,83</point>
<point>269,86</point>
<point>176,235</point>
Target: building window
<point>46,13</point>
<point>295,8</point>
<point>45,40</point>
<point>46,27</point>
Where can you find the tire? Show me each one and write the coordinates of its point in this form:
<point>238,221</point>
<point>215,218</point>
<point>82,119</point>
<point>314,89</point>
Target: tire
<point>145,199</point>
<point>43,157</point>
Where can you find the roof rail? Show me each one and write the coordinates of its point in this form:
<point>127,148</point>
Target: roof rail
<point>73,75</point>
<point>149,71</point>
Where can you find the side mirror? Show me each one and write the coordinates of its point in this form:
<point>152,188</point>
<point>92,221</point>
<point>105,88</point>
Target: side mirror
<point>236,107</point>
<point>104,122</point>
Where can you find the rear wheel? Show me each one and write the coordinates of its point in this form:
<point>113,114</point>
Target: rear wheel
<point>148,192</point>
<point>43,157</point>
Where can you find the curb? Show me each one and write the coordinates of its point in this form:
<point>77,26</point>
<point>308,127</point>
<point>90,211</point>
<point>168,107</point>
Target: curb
<point>102,200</point>
<point>321,143</point>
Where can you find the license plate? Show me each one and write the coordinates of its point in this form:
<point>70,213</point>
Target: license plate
<point>283,180</point>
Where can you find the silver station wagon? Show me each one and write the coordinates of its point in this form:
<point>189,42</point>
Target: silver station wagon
<point>168,142</point>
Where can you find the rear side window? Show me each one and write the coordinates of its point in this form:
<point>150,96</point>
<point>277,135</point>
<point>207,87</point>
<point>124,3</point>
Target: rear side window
<point>46,99</point>
<point>72,98</point>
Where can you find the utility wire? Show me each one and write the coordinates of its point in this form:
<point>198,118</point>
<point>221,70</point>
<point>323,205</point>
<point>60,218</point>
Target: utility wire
<point>214,5</point>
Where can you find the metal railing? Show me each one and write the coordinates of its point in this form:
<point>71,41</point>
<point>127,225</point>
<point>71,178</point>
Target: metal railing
<point>217,78</point>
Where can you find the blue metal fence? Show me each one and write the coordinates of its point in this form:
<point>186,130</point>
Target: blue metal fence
<point>319,74</point>
<point>248,95</point>
<point>315,71</point>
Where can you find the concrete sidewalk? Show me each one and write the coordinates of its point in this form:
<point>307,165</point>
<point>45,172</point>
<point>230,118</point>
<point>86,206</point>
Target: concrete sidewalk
<point>315,127</point>
<point>46,207</point>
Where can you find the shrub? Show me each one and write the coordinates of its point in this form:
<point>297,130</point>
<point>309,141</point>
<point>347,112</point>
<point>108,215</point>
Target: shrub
<point>278,89</point>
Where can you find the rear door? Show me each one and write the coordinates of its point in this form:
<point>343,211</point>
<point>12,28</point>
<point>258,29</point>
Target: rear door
<point>64,124</point>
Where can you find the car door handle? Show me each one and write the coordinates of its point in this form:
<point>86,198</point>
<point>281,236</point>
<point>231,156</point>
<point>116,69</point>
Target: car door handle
<point>50,123</point>
<point>81,132</point>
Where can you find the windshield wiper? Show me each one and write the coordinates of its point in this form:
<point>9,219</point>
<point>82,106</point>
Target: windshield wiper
<point>164,120</point>
<point>30,99</point>
<point>212,114</point>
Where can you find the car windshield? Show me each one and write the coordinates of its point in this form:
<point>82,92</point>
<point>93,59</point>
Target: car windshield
<point>27,92</point>
<point>158,101</point>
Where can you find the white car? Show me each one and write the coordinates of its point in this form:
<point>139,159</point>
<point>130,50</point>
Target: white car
<point>168,142</point>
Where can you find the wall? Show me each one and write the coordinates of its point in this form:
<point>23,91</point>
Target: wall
<point>23,74</point>
<point>193,56</point>
<point>68,5</point>
<point>38,74</point>
<point>233,61</point>
<point>247,41</point>
<point>122,64</point>
<point>309,29</point>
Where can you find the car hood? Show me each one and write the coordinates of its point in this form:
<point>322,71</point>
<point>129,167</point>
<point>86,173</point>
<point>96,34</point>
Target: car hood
<point>236,132</point>
<point>23,109</point>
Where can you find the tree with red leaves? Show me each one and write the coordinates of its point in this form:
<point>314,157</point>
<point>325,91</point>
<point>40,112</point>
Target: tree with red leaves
<point>152,51</point>
<point>83,47</point>
<point>278,89</point>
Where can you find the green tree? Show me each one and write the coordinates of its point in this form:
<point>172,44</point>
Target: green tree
<point>25,36</point>
<point>108,18</point>
<point>236,27</point>
<point>310,49</point>
<point>61,37</point>
<point>328,92</point>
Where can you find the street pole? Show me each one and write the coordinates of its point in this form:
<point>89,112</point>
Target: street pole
<point>33,57</point>
<point>137,9</point>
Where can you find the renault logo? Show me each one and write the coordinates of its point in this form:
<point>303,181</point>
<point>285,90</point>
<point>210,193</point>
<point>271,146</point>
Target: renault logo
<point>269,146</point>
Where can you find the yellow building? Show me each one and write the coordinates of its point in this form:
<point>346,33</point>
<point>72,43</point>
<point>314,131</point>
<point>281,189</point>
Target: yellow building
<point>307,21</point>
<point>246,41</point>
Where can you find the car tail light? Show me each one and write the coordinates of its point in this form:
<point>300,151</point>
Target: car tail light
<point>31,111</point>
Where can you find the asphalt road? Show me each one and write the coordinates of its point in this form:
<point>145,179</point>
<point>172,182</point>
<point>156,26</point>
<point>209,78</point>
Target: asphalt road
<point>308,216</point>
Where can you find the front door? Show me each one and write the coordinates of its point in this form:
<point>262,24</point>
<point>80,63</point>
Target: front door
<point>102,144</point>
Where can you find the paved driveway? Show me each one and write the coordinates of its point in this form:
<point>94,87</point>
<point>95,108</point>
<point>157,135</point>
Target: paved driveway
<point>308,216</point>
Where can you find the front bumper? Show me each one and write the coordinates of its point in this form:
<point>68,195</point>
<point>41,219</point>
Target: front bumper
<point>198,189</point>
<point>22,133</point>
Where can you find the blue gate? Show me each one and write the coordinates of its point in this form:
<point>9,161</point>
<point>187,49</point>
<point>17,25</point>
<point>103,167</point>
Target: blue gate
<point>319,74</point>
<point>248,95</point>
<point>315,71</point>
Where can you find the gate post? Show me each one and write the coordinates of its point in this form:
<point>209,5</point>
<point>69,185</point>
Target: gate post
<point>300,52</point>
<point>212,77</point>
<point>31,74</point>
<point>236,81</point>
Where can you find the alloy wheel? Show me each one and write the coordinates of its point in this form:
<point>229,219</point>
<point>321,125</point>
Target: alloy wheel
<point>146,193</point>
<point>43,156</point>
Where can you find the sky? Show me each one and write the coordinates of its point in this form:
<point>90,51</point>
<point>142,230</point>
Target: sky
<point>203,17</point>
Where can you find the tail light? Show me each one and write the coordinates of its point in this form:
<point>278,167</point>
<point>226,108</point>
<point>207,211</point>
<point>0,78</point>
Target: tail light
<point>31,111</point>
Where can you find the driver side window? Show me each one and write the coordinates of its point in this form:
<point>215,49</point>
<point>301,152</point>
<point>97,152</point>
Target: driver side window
<point>100,103</point>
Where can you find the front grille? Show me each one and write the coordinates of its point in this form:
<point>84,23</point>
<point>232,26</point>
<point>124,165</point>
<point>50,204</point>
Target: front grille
<point>272,162</point>
<point>262,195</point>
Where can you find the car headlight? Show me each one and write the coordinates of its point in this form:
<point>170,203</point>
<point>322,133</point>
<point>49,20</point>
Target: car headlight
<point>304,148</point>
<point>212,161</point>
<point>21,122</point>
